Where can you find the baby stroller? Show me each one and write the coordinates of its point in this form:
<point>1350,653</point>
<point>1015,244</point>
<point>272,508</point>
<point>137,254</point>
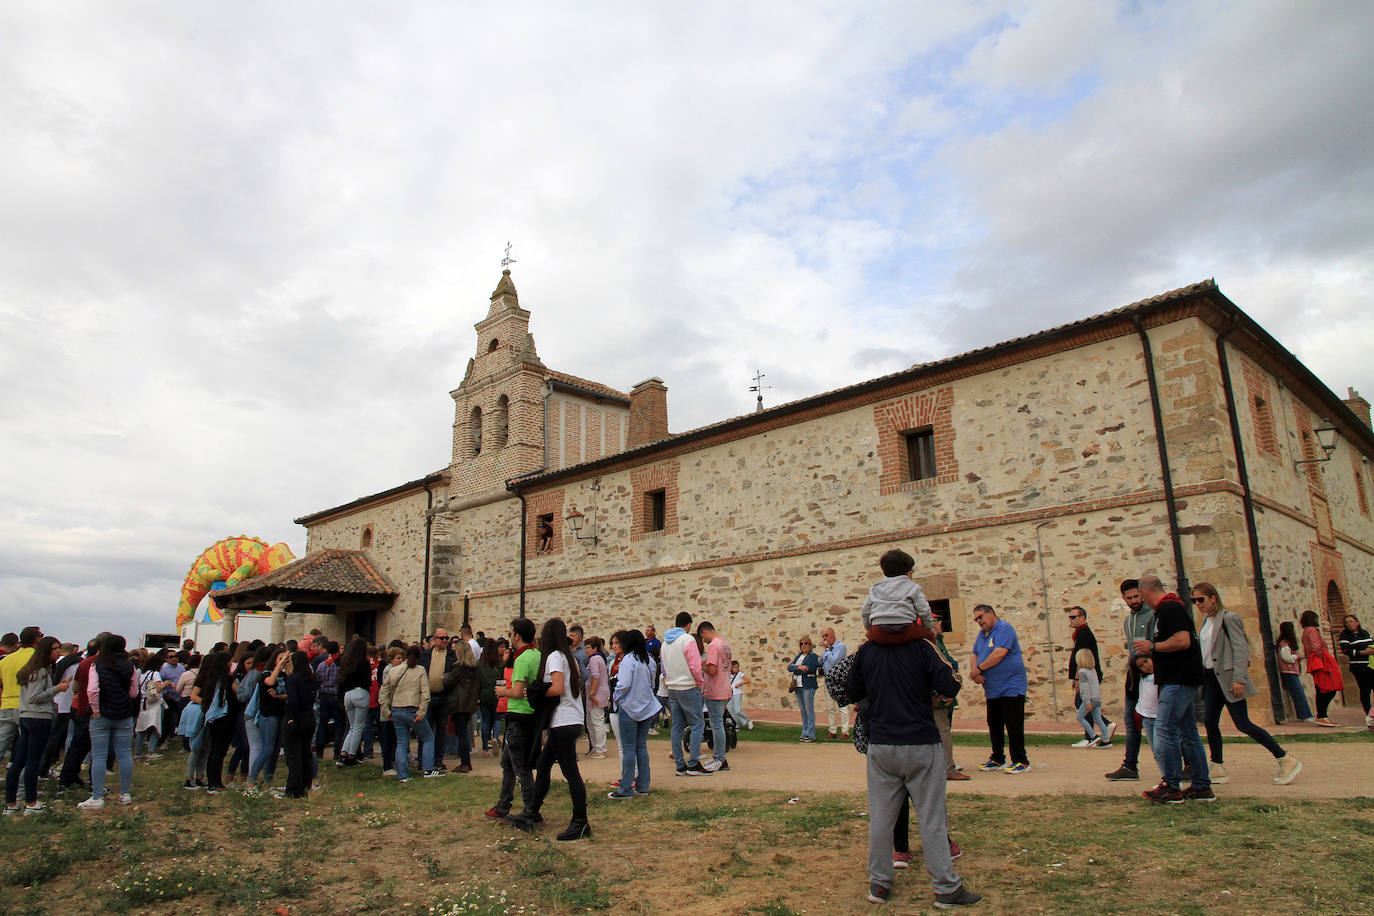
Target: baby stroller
<point>731,733</point>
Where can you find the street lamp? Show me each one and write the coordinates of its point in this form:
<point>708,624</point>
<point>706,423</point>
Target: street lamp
<point>1326,438</point>
<point>575,521</point>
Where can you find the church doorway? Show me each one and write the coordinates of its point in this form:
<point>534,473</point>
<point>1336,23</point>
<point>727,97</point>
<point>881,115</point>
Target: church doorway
<point>1335,616</point>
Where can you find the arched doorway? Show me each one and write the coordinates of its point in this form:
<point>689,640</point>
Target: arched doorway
<point>1335,616</point>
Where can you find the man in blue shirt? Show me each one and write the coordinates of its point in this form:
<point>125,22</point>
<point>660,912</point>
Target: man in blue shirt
<point>997,665</point>
<point>832,653</point>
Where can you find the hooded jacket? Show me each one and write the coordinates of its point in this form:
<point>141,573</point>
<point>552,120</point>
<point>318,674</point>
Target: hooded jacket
<point>896,600</point>
<point>681,660</point>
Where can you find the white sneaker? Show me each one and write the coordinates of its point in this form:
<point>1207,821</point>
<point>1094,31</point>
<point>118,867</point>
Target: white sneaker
<point>11,809</point>
<point>710,766</point>
<point>1111,730</point>
<point>126,799</point>
<point>92,804</point>
<point>1217,774</point>
<point>1082,742</point>
<point>34,808</point>
<point>1289,768</point>
<point>750,726</point>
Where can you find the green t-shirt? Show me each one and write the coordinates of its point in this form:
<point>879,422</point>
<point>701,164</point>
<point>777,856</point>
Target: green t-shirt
<point>526,670</point>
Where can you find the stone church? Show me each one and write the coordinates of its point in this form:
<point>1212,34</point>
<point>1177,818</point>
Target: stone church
<point>1172,435</point>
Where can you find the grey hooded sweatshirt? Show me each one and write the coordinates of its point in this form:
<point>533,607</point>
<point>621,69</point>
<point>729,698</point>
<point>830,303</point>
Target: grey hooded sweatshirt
<point>896,601</point>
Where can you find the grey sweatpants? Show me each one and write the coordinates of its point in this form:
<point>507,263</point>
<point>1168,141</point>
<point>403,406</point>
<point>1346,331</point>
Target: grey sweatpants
<point>894,771</point>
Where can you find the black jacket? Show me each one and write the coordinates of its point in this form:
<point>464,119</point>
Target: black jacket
<point>897,682</point>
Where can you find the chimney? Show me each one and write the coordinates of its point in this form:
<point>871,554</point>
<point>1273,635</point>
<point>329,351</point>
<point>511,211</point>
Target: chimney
<point>648,413</point>
<point>1358,406</point>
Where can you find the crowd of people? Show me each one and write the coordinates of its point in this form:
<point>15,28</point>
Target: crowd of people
<point>529,697</point>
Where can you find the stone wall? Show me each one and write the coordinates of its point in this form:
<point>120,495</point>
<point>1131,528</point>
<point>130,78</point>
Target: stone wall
<point>397,528</point>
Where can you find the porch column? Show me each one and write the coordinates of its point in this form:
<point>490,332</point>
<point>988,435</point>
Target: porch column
<point>278,609</point>
<point>231,616</point>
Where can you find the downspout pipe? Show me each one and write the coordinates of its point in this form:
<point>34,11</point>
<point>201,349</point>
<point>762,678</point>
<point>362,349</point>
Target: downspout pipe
<point>429,525</point>
<point>1049,634</point>
<point>513,483</point>
<point>1170,503</point>
<point>1271,669</point>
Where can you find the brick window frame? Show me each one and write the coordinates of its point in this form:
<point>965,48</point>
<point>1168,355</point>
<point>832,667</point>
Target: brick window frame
<point>1307,442</point>
<point>1261,400</point>
<point>365,537</point>
<point>549,502</point>
<point>645,481</point>
<point>914,412</point>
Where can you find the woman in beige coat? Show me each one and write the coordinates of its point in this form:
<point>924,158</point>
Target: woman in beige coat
<point>1226,658</point>
<point>404,700</point>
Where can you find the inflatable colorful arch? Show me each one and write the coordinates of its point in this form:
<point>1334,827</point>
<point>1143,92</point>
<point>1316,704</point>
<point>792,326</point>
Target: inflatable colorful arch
<point>230,561</point>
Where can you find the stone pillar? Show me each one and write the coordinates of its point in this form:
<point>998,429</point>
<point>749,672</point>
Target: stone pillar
<point>278,609</point>
<point>230,618</point>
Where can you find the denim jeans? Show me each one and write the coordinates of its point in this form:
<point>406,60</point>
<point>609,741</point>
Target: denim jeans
<point>1292,683</point>
<point>148,738</point>
<point>1176,730</point>
<point>269,729</point>
<point>372,729</point>
<point>436,717</point>
<point>634,754</point>
<point>488,713</point>
<point>685,707</point>
<point>29,748</point>
<point>119,733</point>
<point>355,707</point>
<point>716,710</point>
<point>405,721</point>
<point>331,724</point>
<point>806,702</point>
<point>1090,714</point>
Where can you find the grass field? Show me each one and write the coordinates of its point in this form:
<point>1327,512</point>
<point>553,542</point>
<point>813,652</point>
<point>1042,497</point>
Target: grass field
<point>368,844</point>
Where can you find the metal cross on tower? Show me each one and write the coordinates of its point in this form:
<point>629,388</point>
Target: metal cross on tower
<point>759,386</point>
<point>507,261</point>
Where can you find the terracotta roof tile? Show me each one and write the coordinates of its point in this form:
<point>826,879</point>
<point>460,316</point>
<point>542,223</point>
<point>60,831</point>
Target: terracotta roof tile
<point>587,385</point>
<point>326,570</point>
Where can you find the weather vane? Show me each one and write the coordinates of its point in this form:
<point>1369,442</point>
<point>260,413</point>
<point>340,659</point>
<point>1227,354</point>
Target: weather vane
<point>759,386</point>
<point>507,261</point>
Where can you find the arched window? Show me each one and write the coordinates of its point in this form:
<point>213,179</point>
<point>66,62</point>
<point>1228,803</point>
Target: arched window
<point>491,347</point>
<point>475,431</point>
<point>366,540</point>
<point>500,422</point>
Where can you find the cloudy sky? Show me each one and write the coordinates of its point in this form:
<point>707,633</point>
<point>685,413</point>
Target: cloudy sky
<point>242,246</point>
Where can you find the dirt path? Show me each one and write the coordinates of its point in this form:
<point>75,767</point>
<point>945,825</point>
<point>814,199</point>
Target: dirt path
<point>1344,770</point>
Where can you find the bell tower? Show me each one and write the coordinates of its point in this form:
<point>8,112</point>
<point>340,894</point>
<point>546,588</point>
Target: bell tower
<point>498,423</point>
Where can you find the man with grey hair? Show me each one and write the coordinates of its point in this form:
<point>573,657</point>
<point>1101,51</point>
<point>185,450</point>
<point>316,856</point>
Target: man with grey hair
<point>1178,675</point>
<point>833,652</point>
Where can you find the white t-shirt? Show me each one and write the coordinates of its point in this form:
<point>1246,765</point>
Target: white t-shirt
<point>736,688</point>
<point>1147,704</point>
<point>1208,637</point>
<point>569,709</point>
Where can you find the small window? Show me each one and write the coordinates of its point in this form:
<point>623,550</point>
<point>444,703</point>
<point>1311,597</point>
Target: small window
<point>656,510</point>
<point>940,608</point>
<point>543,534</point>
<point>366,540</point>
<point>475,431</point>
<point>491,347</point>
<point>920,454</point>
